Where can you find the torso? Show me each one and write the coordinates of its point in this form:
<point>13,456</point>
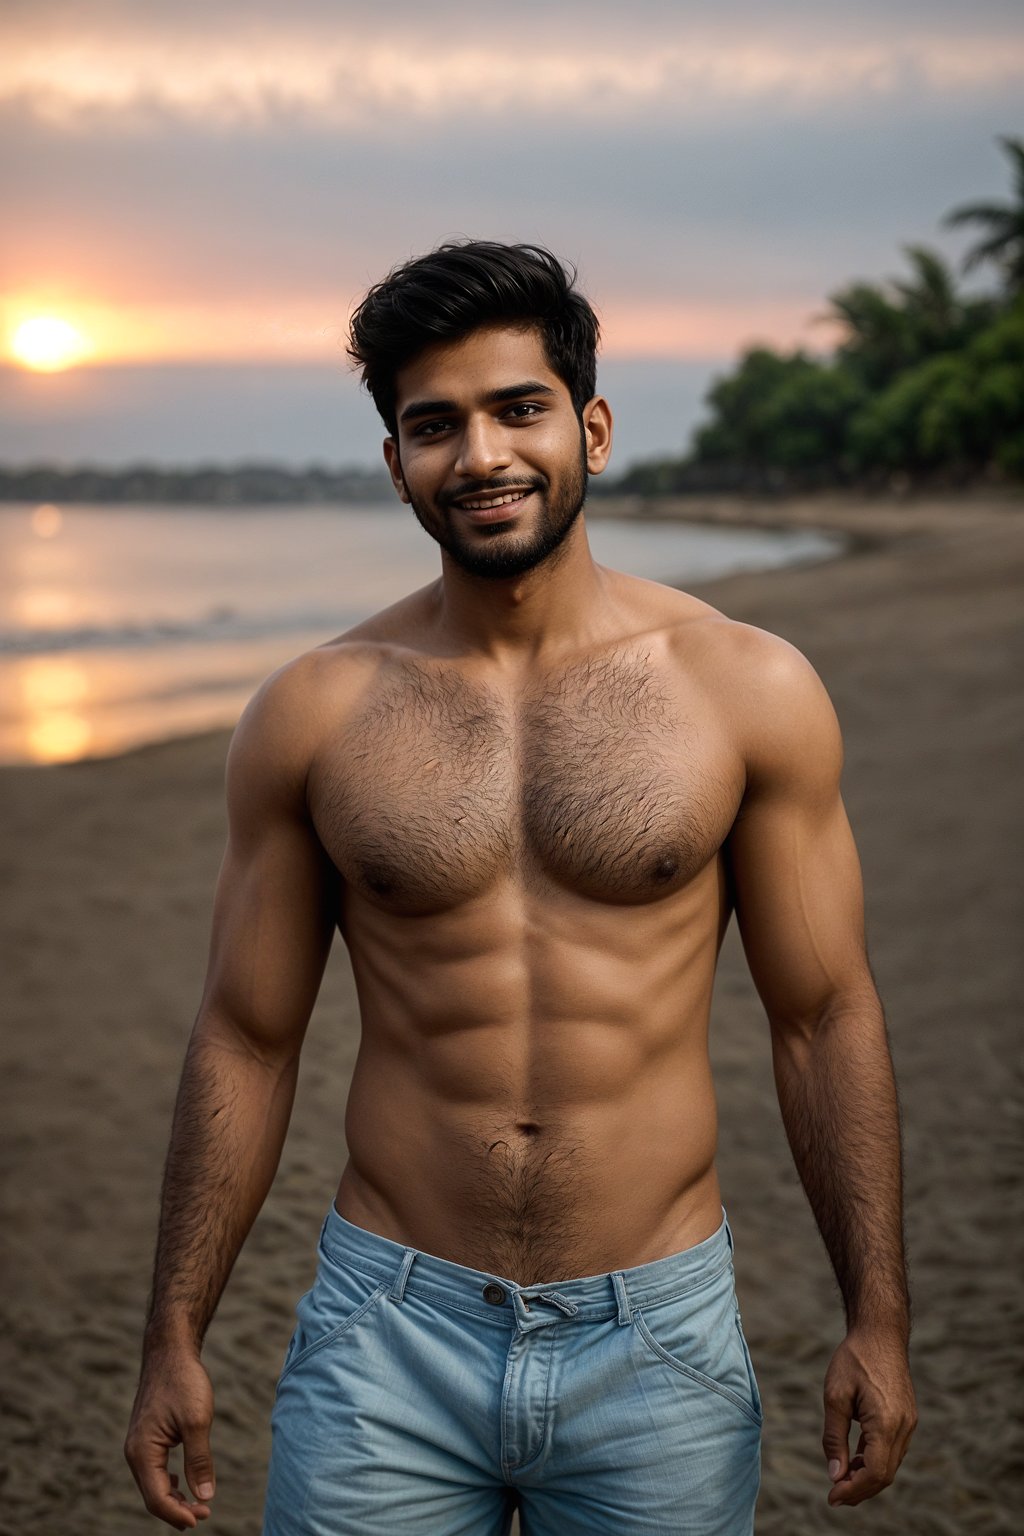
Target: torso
<point>533,897</point>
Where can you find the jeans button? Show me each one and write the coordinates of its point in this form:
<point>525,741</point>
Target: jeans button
<point>495,1294</point>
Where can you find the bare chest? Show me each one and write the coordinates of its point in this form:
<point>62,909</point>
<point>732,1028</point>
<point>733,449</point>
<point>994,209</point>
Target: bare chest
<point>598,778</point>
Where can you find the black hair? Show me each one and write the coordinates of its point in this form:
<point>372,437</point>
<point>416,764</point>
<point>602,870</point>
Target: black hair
<point>461,286</point>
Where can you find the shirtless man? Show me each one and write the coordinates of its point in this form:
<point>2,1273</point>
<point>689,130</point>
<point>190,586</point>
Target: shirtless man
<point>529,796</point>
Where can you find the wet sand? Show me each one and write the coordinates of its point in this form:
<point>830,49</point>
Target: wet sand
<point>110,869</point>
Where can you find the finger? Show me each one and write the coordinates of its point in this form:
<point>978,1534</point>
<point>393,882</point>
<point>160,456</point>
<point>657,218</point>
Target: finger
<point>835,1440</point>
<point>199,1462</point>
<point>169,1504</point>
<point>199,1511</point>
<point>859,1485</point>
<point>869,1471</point>
<point>149,1468</point>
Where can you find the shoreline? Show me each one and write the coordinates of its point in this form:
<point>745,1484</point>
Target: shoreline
<point>111,867</point>
<point>864,524</point>
<point>89,695</point>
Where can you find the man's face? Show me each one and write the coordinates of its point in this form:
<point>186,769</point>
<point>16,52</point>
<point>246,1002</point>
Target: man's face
<point>490,452</point>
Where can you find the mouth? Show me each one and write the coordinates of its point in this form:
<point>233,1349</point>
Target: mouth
<point>498,508</point>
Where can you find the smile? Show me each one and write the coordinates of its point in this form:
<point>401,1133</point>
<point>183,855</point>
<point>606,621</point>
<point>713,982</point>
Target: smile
<point>485,505</point>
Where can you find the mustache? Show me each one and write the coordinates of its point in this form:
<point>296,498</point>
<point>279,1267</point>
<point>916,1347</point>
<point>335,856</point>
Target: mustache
<point>484,488</point>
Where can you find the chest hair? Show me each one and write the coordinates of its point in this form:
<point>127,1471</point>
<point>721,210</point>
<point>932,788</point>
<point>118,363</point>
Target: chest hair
<point>592,777</point>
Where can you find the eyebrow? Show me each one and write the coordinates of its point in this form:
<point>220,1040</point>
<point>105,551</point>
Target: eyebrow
<point>493,397</point>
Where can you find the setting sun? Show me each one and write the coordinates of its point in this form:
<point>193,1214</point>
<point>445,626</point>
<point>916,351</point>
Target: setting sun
<point>47,344</point>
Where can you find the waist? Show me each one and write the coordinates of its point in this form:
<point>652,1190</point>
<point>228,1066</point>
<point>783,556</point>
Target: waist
<point>589,1297</point>
<point>580,1191</point>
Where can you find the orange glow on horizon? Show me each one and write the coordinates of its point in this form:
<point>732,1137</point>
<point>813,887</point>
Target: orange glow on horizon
<point>160,332</point>
<point>710,330</point>
<point>316,331</point>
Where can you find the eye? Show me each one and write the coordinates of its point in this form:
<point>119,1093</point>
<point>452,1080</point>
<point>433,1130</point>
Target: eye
<point>431,428</point>
<point>523,410</point>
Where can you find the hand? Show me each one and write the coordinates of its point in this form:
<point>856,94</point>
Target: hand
<point>868,1379</point>
<point>174,1405</point>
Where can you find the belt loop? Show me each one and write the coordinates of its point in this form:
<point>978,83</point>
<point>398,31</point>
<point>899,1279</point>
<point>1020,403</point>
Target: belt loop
<point>625,1314</point>
<point>397,1291</point>
<point>728,1230</point>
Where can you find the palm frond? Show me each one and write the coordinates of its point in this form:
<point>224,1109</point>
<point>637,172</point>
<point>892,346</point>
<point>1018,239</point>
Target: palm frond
<point>982,213</point>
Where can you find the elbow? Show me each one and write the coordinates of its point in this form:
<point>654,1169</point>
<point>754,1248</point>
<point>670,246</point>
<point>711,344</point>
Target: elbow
<point>800,1022</point>
<point>244,1039</point>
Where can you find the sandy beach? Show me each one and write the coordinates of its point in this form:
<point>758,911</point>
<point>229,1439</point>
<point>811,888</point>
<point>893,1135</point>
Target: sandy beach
<point>110,866</point>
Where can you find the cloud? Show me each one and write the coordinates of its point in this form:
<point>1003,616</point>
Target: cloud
<point>236,68</point>
<point>657,210</point>
<point>222,181</point>
<point>226,180</point>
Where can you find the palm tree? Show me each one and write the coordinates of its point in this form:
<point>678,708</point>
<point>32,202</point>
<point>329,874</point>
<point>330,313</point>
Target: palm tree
<point>1003,243</point>
<point>876,338</point>
<point>891,326</point>
<point>930,295</point>
<point>938,318</point>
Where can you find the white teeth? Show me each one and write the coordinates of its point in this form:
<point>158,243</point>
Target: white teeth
<point>496,501</point>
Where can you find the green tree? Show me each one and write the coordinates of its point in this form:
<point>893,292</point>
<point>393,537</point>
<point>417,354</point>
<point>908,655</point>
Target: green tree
<point>924,380</point>
<point>739,431</point>
<point>781,415</point>
<point>890,327</point>
<point>959,412</point>
<point>876,342</point>
<point>1003,242</point>
<point>806,420</point>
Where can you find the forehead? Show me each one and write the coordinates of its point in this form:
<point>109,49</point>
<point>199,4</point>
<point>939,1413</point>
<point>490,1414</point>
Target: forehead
<point>493,357</point>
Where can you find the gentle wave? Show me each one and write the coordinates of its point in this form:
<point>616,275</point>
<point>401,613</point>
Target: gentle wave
<point>219,625</point>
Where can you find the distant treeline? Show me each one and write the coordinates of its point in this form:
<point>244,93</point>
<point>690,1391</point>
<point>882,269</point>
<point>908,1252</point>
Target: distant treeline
<point>925,387</point>
<point>238,485</point>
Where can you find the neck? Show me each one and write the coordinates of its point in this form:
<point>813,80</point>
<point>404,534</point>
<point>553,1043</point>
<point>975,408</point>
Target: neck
<point>556,606</point>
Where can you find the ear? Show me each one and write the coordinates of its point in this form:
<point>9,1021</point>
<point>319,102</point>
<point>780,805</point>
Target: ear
<point>394,464</point>
<point>597,432</point>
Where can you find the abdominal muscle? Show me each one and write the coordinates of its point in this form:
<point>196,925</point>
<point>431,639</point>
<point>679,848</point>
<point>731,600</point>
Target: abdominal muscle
<point>533,1096</point>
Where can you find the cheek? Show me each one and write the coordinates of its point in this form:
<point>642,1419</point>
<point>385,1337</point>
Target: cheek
<point>557,450</point>
<point>424,471</point>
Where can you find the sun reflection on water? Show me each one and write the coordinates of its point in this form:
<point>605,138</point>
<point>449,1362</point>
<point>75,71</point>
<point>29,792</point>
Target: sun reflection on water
<point>58,738</point>
<point>55,731</point>
<point>46,520</point>
<point>45,607</point>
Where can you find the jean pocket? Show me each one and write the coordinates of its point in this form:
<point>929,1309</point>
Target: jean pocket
<point>699,1335</point>
<point>339,1298</point>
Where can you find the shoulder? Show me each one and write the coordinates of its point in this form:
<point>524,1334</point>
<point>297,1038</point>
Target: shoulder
<point>767,695</point>
<point>281,728</point>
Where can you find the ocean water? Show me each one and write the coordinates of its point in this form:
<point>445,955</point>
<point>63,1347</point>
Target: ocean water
<point>124,625</point>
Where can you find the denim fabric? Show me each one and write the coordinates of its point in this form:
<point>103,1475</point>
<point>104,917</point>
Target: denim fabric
<point>421,1396</point>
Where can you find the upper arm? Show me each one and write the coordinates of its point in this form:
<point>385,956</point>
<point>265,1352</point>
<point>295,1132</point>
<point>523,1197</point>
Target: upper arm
<point>793,865</point>
<point>274,909</point>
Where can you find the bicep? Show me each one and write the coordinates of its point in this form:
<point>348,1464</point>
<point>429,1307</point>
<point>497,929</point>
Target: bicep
<point>793,866</point>
<point>275,904</point>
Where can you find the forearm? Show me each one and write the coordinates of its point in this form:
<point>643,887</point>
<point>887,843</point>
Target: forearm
<point>839,1105</point>
<point>229,1126</point>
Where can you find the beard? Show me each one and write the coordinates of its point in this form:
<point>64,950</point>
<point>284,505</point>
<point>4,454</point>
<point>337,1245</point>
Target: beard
<point>499,554</point>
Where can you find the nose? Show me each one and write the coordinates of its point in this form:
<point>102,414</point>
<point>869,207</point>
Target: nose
<point>483,449</point>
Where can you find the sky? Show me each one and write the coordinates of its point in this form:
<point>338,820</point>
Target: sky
<point>203,191</point>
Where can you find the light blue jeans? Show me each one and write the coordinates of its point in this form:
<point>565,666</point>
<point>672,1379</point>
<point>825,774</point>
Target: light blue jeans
<point>421,1396</point>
